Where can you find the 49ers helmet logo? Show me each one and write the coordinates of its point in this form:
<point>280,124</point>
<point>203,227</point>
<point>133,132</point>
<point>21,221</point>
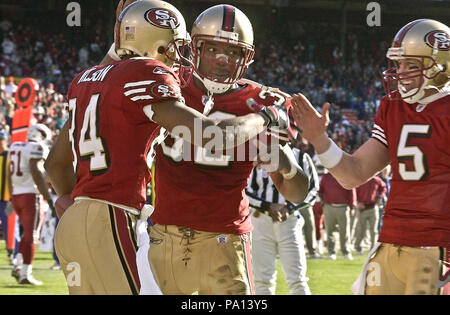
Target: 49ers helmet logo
<point>438,39</point>
<point>161,17</point>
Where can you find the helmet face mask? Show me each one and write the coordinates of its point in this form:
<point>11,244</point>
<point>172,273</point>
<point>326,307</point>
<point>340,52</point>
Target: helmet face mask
<point>177,54</point>
<point>393,78</point>
<point>222,47</point>
<point>428,42</point>
<point>219,60</point>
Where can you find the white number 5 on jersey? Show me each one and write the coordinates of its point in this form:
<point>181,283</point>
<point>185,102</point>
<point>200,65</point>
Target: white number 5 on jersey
<point>407,152</point>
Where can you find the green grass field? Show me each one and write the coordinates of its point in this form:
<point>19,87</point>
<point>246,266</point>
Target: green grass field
<point>326,277</point>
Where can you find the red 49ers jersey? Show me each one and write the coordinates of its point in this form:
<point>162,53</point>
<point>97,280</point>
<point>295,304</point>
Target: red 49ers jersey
<point>418,139</point>
<point>202,194</point>
<point>110,133</point>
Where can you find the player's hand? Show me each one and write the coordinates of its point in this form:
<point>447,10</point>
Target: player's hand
<point>312,123</point>
<point>276,116</point>
<point>62,203</point>
<point>278,212</point>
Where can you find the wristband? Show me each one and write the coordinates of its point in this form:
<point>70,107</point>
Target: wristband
<point>331,157</point>
<point>291,173</point>
<point>112,52</point>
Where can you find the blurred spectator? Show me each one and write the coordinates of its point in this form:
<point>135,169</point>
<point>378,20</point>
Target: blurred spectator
<point>337,203</point>
<point>10,87</point>
<point>5,25</point>
<point>369,196</point>
<point>8,46</point>
<point>385,175</point>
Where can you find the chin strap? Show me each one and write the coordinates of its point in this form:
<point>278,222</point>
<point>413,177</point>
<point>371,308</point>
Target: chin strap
<point>213,87</point>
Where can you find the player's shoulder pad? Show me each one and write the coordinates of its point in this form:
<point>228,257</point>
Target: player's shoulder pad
<point>16,145</point>
<point>267,95</point>
<point>149,65</point>
<point>35,148</point>
<point>151,82</point>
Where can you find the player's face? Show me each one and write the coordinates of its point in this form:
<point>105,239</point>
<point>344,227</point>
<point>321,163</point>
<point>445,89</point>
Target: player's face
<point>406,82</point>
<point>220,60</point>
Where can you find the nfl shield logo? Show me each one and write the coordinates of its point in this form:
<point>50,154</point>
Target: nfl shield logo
<point>222,239</point>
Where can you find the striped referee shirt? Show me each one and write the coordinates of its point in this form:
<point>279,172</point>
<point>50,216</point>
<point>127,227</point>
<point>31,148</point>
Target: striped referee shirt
<point>261,188</point>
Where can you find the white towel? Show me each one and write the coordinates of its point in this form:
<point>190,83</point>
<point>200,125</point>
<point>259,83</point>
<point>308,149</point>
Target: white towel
<point>148,283</point>
<point>359,286</point>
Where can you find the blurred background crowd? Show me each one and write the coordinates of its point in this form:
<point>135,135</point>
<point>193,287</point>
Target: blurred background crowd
<point>326,52</point>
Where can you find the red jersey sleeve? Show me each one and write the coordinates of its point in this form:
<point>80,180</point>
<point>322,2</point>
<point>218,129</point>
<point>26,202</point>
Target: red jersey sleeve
<point>151,83</point>
<point>379,126</point>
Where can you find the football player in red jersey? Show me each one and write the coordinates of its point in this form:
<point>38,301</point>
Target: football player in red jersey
<point>412,132</point>
<point>200,240</point>
<point>100,158</point>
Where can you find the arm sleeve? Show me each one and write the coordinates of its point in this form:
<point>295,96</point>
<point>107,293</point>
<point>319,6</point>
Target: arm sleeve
<point>35,151</point>
<point>155,84</point>
<point>379,125</point>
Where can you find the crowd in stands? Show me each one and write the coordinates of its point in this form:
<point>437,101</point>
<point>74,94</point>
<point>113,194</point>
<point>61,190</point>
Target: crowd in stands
<point>52,58</point>
<point>304,65</point>
<point>353,86</point>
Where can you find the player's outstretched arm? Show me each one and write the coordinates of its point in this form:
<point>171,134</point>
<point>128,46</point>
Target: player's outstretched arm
<point>349,170</point>
<point>356,169</point>
<point>196,128</point>
<point>58,164</point>
<point>289,178</point>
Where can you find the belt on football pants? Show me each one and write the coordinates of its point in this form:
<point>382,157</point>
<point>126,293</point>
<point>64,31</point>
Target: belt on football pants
<point>148,283</point>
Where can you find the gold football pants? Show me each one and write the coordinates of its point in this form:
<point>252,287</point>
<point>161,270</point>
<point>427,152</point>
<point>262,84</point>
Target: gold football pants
<point>398,270</point>
<point>186,261</point>
<point>96,245</point>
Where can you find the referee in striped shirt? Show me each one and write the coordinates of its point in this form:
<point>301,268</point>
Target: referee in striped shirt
<point>278,229</point>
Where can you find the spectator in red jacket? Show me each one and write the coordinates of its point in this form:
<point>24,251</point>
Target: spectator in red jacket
<point>369,196</point>
<point>338,202</point>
